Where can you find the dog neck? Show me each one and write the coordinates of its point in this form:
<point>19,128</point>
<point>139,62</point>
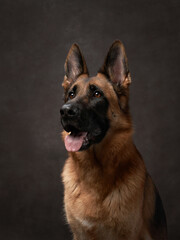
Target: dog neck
<point>108,162</point>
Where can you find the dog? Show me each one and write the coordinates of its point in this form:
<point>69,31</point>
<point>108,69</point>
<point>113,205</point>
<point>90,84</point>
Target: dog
<point>108,194</point>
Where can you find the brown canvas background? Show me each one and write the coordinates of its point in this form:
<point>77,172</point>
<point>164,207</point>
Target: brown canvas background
<point>35,37</point>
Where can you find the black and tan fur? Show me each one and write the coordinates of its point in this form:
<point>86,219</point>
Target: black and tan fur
<point>108,193</point>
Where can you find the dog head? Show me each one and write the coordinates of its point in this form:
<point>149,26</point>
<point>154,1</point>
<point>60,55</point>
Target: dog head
<point>95,106</point>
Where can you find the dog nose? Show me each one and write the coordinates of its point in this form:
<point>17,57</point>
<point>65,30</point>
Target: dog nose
<point>68,110</point>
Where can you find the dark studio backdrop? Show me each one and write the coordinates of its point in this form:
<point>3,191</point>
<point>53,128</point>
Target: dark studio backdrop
<point>35,36</point>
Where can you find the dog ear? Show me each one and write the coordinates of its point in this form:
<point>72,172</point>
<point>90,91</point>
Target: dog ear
<point>116,66</point>
<point>74,66</point>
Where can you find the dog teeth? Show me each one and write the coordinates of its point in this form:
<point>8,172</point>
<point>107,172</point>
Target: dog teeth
<point>69,133</point>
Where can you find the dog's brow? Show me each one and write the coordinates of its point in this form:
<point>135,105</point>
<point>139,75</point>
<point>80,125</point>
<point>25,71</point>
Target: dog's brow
<point>74,88</point>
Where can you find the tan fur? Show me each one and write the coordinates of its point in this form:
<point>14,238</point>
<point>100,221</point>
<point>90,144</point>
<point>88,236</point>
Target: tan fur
<point>106,188</point>
<point>108,192</point>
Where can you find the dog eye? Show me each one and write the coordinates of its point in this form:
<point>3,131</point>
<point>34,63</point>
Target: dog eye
<point>71,95</point>
<point>97,94</point>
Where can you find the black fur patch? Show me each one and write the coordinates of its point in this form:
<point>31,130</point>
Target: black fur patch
<point>158,226</point>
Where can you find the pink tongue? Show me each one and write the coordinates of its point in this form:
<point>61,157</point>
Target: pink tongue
<point>74,143</point>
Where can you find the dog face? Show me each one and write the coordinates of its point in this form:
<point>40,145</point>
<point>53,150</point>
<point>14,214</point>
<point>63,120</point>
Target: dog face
<point>96,105</point>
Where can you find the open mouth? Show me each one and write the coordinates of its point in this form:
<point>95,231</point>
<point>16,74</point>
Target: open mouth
<point>76,141</point>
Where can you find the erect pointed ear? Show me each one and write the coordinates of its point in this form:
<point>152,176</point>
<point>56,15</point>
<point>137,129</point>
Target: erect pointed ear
<point>75,65</point>
<point>116,66</point>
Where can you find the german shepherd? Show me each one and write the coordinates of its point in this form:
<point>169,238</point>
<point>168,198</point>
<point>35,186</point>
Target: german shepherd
<point>108,193</point>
